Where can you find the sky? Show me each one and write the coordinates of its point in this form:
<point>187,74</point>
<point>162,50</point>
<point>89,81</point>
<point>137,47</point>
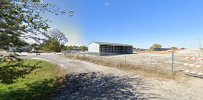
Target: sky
<point>140,23</point>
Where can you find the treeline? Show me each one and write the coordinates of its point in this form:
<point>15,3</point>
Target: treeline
<point>158,47</point>
<point>53,45</point>
<point>81,48</point>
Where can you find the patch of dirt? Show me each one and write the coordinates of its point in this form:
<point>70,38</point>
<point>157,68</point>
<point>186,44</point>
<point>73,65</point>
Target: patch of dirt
<point>154,52</point>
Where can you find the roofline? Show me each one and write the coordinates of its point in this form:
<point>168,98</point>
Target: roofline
<point>91,42</point>
<point>111,43</point>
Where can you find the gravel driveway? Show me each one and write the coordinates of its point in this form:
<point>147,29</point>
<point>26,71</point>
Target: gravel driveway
<point>90,81</point>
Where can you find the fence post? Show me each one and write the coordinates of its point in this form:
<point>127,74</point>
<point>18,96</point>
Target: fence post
<point>200,61</point>
<point>151,60</point>
<point>172,65</point>
<point>201,65</point>
<point>125,59</point>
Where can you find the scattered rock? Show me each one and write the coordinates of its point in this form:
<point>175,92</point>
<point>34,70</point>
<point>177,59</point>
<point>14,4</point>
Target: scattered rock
<point>100,86</point>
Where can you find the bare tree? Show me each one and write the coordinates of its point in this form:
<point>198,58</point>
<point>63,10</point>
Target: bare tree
<point>58,35</point>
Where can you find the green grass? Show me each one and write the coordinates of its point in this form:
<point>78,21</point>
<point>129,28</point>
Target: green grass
<point>28,79</point>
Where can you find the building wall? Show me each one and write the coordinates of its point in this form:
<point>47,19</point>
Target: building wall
<point>109,49</point>
<point>128,49</point>
<point>100,49</point>
<point>93,48</point>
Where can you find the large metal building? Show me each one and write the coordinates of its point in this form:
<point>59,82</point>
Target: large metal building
<point>103,48</point>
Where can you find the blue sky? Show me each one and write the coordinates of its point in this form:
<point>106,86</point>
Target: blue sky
<point>137,22</point>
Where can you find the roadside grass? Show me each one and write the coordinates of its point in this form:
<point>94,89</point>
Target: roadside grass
<point>139,69</point>
<point>28,80</point>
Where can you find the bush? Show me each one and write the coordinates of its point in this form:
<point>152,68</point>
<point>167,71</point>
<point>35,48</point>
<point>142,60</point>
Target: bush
<point>52,45</point>
<point>155,47</point>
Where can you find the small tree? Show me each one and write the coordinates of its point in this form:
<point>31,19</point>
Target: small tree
<point>155,47</point>
<point>52,45</point>
<point>60,36</point>
<point>83,48</point>
<point>69,47</point>
<point>35,46</point>
<point>174,48</point>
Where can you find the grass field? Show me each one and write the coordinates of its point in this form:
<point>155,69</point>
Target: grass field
<point>28,79</point>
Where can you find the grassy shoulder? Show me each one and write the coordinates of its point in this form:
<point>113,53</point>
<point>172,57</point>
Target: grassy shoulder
<point>28,79</point>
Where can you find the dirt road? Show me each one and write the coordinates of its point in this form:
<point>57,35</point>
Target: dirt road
<point>90,81</point>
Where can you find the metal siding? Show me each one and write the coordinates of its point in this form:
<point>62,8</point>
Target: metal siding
<point>98,49</point>
<point>93,47</point>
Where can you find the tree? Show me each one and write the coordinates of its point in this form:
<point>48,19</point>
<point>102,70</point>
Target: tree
<point>21,19</point>
<point>155,47</point>
<point>83,48</point>
<point>52,45</point>
<point>10,41</point>
<point>59,36</point>
<point>69,47</point>
<point>56,41</point>
<point>18,19</point>
<point>35,47</point>
<point>174,48</point>
<point>73,47</point>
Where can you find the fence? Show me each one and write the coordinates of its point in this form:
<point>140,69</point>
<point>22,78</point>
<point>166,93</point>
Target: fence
<point>161,63</point>
<point>191,65</point>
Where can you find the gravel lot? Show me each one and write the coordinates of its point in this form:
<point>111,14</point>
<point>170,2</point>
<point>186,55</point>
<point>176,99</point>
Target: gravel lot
<point>90,81</point>
<point>160,61</point>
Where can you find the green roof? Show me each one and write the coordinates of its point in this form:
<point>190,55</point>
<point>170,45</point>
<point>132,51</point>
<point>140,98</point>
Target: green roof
<point>114,44</point>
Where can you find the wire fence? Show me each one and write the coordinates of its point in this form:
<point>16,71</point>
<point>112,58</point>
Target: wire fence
<point>190,65</point>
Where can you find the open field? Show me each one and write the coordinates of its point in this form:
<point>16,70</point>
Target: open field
<point>154,52</point>
<point>124,65</point>
<point>163,60</point>
<point>156,63</point>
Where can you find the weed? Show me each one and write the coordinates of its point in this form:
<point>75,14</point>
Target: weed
<point>140,69</point>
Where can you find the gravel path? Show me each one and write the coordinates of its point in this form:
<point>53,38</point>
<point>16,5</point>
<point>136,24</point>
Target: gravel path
<point>90,81</point>
<point>73,66</point>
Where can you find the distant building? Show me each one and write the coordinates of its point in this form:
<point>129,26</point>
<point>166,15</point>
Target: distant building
<point>139,49</point>
<point>20,49</point>
<point>103,48</point>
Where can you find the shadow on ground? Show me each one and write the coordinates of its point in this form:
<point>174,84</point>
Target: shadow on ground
<point>101,86</point>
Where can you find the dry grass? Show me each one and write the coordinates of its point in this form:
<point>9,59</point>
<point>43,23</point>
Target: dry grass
<point>155,52</point>
<point>139,69</point>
